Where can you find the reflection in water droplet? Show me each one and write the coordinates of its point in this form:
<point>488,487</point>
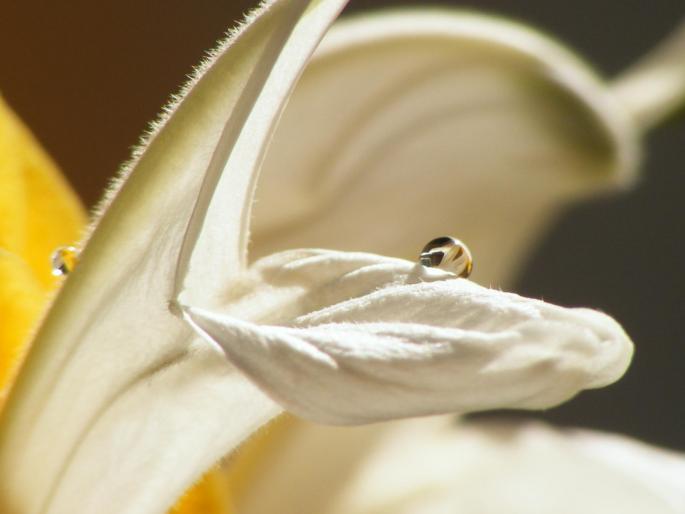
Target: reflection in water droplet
<point>449,254</point>
<point>64,260</point>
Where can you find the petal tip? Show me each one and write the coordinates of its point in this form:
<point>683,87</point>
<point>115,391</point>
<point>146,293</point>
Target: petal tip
<point>615,348</point>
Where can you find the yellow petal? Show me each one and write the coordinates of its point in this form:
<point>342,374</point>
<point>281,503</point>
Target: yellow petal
<point>38,211</point>
<point>209,496</point>
<point>21,301</point>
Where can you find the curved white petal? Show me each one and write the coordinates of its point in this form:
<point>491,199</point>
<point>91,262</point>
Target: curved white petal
<point>355,338</point>
<point>410,124</point>
<point>530,468</point>
<point>115,387</point>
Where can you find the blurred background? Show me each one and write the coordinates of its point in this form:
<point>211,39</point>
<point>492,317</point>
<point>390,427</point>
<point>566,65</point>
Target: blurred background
<point>88,76</point>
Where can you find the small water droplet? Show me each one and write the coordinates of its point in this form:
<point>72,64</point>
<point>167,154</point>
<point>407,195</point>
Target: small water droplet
<point>64,260</point>
<point>449,254</point>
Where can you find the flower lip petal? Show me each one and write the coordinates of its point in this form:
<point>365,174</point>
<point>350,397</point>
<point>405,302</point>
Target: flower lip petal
<point>404,344</point>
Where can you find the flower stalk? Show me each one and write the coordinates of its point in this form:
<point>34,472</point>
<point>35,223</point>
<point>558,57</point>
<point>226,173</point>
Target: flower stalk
<point>654,88</point>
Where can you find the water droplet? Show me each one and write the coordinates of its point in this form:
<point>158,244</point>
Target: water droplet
<point>64,260</point>
<point>449,254</point>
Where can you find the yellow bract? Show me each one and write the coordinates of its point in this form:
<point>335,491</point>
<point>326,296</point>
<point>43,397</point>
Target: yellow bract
<point>21,301</point>
<point>38,212</point>
<point>209,496</point>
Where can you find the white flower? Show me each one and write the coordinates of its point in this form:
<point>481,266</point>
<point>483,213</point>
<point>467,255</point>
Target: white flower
<point>121,406</point>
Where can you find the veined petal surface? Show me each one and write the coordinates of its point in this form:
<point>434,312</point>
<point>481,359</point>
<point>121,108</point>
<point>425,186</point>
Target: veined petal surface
<point>346,338</point>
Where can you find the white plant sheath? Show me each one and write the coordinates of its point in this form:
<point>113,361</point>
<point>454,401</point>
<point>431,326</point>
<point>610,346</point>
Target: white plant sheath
<point>120,406</point>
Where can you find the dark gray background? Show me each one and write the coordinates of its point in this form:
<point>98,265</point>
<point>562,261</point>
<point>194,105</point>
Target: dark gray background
<point>88,76</point>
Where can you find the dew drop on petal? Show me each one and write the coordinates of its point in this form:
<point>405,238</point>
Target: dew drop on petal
<point>449,254</point>
<point>64,260</point>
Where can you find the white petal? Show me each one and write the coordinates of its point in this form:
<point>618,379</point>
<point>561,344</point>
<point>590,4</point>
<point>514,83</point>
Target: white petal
<point>452,123</point>
<point>384,338</point>
<point>115,390</point>
<point>529,468</point>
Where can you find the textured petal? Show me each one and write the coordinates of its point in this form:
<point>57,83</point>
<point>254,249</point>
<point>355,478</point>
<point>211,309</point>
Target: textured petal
<point>529,468</point>
<point>109,353</point>
<point>452,123</point>
<point>356,338</point>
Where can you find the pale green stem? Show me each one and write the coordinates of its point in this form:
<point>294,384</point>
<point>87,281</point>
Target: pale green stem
<point>654,87</point>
